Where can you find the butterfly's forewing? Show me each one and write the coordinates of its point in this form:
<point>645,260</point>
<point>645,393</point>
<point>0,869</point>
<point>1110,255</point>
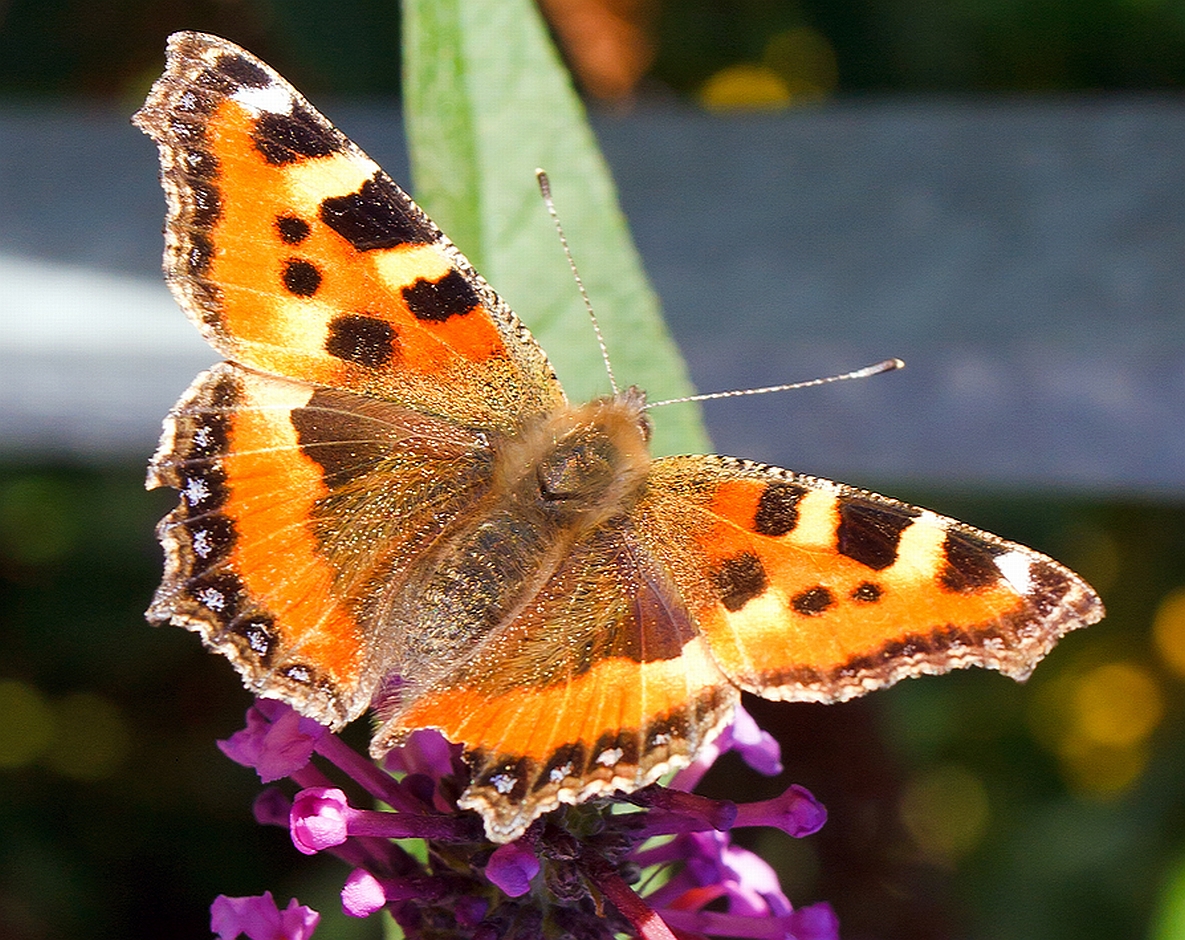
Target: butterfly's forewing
<point>295,254</point>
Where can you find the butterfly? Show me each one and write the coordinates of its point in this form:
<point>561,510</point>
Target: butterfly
<point>387,503</point>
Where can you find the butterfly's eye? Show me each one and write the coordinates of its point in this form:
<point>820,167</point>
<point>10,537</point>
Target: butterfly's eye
<point>579,468</point>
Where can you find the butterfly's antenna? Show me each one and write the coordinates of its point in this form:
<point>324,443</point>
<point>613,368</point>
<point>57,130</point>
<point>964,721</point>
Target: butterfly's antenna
<point>545,189</point>
<point>887,365</point>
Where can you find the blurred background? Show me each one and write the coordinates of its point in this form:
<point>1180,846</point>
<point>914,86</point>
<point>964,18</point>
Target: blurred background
<point>991,190</point>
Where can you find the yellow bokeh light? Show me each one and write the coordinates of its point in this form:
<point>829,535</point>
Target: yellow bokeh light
<point>1117,704</point>
<point>1102,772</point>
<point>745,87</point>
<point>1098,720</point>
<point>946,812</point>
<point>28,725</point>
<point>1168,630</point>
<point>798,66</point>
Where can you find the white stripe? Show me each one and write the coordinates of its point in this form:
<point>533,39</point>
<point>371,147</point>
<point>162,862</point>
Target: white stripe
<point>271,98</point>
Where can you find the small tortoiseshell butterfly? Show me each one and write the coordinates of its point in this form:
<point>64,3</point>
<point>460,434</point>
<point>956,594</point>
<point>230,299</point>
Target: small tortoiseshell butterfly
<point>387,502</point>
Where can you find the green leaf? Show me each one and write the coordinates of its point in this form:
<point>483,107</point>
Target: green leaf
<point>1168,922</point>
<point>487,100</point>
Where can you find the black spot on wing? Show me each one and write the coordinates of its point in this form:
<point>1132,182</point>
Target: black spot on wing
<point>212,538</point>
<point>287,138</point>
<point>739,579</point>
<point>242,72</point>
<point>777,509</point>
<point>509,777</point>
<point>208,436</point>
<point>812,602</point>
<point>374,217</point>
<point>969,564</point>
<point>451,296</point>
<point>225,395</point>
<point>301,277</point>
<point>668,729</point>
<point>1050,585</point>
<point>299,672</point>
<point>867,593</point>
<point>197,164</point>
<point>358,338</point>
<point>197,99</point>
<point>604,754</point>
<point>292,230</point>
<point>870,532</point>
<point>203,486</point>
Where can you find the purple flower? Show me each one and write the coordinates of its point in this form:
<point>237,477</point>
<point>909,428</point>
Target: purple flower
<point>362,894</point>
<point>757,747</point>
<point>755,903</point>
<point>321,818</point>
<point>277,742</point>
<point>259,919</point>
<point>318,819</point>
<point>795,812</point>
<point>512,867</point>
<point>459,885</point>
<point>426,752</point>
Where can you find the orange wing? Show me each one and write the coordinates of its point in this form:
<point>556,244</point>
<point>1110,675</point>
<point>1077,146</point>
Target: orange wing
<point>299,507</point>
<point>296,255</point>
<point>809,590</point>
<point>600,683</point>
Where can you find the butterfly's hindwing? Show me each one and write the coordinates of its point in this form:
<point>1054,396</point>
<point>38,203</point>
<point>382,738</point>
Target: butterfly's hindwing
<point>810,590</point>
<point>301,508</point>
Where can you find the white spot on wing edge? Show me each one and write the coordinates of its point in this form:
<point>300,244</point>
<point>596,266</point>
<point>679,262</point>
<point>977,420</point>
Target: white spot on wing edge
<point>919,550</point>
<point>558,774</point>
<point>818,516</point>
<point>403,266</point>
<point>503,783</point>
<point>271,98</point>
<point>201,543</point>
<point>1017,569</point>
<point>195,491</point>
<point>212,598</point>
<point>610,757</point>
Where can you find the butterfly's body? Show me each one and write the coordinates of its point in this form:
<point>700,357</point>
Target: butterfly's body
<point>388,502</point>
<point>532,496</point>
